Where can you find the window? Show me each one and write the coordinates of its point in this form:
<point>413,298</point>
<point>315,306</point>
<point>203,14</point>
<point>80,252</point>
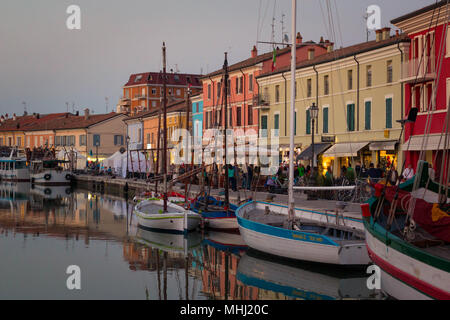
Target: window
<point>308,88</point>
<point>264,126</point>
<point>127,94</point>
<point>429,105</point>
<point>1,141</point>
<point>153,91</point>
<point>238,116</point>
<point>389,71</point>
<point>350,79</point>
<point>276,125</point>
<point>143,91</point>
<point>209,92</point>
<point>277,93</point>
<point>369,76</point>
<point>325,120</point>
<point>389,113</point>
<point>250,83</point>
<point>308,122</point>
<point>139,135</point>
<point>237,85</point>
<point>118,140</point>
<point>417,98</point>
<point>138,78</point>
<point>230,117</point>
<point>41,140</point>
<point>58,141</point>
<point>250,115</point>
<point>326,88</point>
<point>72,140</point>
<point>219,87</point>
<point>367,115</point>
<point>241,84</point>
<point>178,92</point>
<point>96,140</point>
<point>154,104</point>
<point>19,141</point>
<point>351,117</point>
<point>51,140</point>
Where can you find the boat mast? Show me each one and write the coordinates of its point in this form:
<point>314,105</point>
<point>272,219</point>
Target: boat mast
<point>165,127</point>
<point>292,114</point>
<point>225,99</point>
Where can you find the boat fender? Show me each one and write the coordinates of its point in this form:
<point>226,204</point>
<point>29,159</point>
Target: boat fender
<point>48,176</point>
<point>48,191</point>
<point>68,191</point>
<point>68,176</point>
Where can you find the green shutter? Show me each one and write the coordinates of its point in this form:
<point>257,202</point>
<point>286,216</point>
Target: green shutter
<point>389,113</point>
<point>264,125</point>
<point>276,124</point>
<point>295,123</point>
<point>325,120</point>
<point>308,122</point>
<point>368,110</point>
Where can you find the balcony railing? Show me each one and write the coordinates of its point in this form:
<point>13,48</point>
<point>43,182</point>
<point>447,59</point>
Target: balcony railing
<point>422,69</point>
<point>262,101</point>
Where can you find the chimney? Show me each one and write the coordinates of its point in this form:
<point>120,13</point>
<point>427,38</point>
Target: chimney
<point>254,52</point>
<point>379,35</point>
<point>298,39</point>
<point>25,113</point>
<point>6,116</point>
<point>330,46</point>
<point>321,40</point>
<point>77,113</point>
<point>14,117</point>
<point>86,113</point>
<point>397,33</point>
<point>311,53</point>
<point>386,33</point>
<point>2,119</point>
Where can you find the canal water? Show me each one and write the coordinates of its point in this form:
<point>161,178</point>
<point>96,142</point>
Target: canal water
<point>44,230</point>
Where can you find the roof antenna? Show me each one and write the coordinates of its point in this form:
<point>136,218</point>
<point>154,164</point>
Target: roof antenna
<point>24,107</point>
<point>366,17</point>
<point>67,106</point>
<point>283,35</point>
<point>106,103</point>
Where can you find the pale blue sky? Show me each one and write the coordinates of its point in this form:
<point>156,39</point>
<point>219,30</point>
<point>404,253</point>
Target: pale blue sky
<point>47,65</point>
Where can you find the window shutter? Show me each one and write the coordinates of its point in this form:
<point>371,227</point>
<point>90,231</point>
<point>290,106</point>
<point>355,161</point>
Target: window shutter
<point>389,113</point>
<point>325,120</point>
<point>368,110</point>
<point>308,122</point>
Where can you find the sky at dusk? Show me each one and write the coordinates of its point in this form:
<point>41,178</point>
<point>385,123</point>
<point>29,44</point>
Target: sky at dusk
<point>46,65</point>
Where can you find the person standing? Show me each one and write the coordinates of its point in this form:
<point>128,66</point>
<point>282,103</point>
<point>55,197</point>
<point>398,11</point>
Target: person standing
<point>408,173</point>
<point>249,176</point>
<point>393,176</point>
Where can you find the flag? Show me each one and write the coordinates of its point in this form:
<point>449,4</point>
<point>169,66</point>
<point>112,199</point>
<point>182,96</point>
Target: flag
<point>274,59</point>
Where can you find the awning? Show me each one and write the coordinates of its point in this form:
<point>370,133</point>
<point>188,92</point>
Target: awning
<point>431,142</point>
<point>318,149</point>
<point>349,149</point>
<point>382,145</point>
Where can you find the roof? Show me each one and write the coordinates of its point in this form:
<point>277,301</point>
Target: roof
<point>72,122</point>
<point>344,53</point>
<point>156,78</point>
<point>24,122</point>
<point>420,11</point>
<point>173,107</point>
<point>258,59</point>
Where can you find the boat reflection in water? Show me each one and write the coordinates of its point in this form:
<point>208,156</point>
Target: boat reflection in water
<point>294,280</point>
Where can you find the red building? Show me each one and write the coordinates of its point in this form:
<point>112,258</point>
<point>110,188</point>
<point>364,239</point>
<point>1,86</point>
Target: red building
<point>426,73</point>
<point>243,92</point>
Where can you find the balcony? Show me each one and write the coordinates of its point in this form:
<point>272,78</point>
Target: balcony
<point>262,101</point>
<point>140,96</point>
<point>422,69</point>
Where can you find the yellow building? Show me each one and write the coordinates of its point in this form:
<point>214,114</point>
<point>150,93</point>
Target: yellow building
<point>360,98</point>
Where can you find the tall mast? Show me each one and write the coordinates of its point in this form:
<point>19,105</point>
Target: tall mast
<point>292,114</point>
<point>225,99</point>
<point>165,128</point>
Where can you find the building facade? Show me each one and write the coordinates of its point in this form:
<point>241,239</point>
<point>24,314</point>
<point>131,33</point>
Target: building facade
<point>426,76</point>
<point>244,89</point>
<point>359,95</point>
<point>144,91</point>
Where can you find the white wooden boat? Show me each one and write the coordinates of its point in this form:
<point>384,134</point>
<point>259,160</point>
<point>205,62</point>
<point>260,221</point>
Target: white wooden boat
<point>316,237</point>
<point>50,173</point>
<point>150,215</point>
<point>14,169</point>
<point>225,241</point>
<point>307,282</point>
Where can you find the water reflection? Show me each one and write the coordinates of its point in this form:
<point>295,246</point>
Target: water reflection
<point>45,229</point>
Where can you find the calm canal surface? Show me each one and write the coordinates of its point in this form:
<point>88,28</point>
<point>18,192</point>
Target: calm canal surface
<point>43,230</point>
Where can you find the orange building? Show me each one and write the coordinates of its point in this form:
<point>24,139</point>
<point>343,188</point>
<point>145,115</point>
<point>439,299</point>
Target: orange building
<point>144,91</point>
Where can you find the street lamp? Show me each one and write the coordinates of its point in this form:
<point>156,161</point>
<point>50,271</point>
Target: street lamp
<point>314,113</point>
<point>128,142</point>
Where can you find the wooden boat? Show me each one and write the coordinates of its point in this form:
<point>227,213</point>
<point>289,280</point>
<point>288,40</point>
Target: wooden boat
<point>13,167</point>
<point>308,282</point>
<point>214,213</point>
<point>415,268</point>
<point>49,172</point>
<point>150,215</point>
<point>316,236</point>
